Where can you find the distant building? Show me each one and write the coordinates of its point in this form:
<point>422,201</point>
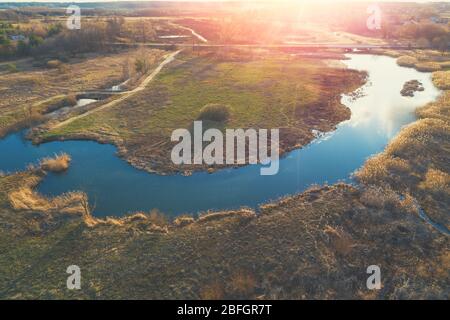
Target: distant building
<point>17,37</point>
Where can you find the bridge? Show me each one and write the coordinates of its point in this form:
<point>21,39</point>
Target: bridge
<point>98,94</point>
<point>306,46</point>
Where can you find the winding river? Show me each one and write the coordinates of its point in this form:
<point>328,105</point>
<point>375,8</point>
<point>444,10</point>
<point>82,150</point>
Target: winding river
<point>117,188</point>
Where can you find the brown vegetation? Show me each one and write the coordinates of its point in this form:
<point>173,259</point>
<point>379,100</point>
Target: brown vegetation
<point>442,79</point>
<point>58,163</point>
<point>407,61</point>
<point>428,66</point>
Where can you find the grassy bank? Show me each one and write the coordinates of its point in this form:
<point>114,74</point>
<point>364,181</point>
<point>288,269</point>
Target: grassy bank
<point>417,161</point>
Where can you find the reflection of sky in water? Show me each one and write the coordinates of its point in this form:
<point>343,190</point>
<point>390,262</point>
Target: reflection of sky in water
<point>117,188</point>
<point>382,108</point>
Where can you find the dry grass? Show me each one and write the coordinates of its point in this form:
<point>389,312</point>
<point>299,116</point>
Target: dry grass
<point>428,66</point>
<point>184,220</point>
<point>441,79</point>
<point>281,254</point>
<point>439,109</point>
<point>424,61</point>
<point>212,291</point>
<point>58,163</point>
<point>415,164</point>
<point>445,64</point>
<point>25,198</point>
<point>379,197</point>
<point>378,167</point>
<point>407,61</point>
<point>243,284</point>
<point>213,216</point>
<point>158,218</point>
<point>340,241</point>
<point>436,181</point>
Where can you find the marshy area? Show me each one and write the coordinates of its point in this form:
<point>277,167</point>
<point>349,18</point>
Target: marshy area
<point>312,245</point>
<point>364,178</point>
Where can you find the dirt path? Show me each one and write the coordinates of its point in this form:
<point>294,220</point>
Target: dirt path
<point>125,95</point>
<point>195,34</point>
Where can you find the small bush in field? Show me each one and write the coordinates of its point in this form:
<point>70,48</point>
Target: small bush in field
<point>215,112</point>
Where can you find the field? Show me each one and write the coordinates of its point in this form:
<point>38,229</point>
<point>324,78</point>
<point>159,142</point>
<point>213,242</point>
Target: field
<point>36,86</point>
<point>265,90</point>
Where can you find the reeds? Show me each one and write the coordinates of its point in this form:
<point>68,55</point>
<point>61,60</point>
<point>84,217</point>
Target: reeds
<point>58,163</point>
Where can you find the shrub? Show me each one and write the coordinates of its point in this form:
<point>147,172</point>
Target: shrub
<point>214,112</point>
<point>57,164</point>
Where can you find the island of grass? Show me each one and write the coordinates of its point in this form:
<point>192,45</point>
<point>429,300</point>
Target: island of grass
<point>267,90</point>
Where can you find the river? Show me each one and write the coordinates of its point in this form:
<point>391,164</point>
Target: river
<point>116,188</point>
